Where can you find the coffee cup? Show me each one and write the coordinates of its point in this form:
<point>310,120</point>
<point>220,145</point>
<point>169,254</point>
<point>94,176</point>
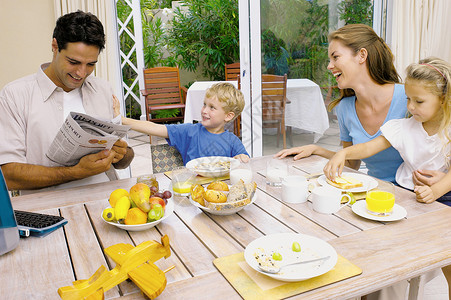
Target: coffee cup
<point>294,189</point>
<point>327,200</point>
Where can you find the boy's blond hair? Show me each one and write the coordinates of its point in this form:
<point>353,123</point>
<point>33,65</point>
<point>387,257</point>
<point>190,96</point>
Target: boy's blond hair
<point>231,98</point>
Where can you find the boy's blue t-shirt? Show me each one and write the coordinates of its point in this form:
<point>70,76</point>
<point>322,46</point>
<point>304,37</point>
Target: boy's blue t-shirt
<point>382,165</point>
<point>194,141</point>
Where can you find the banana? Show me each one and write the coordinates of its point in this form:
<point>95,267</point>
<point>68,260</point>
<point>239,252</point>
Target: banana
<point>108,214</point>
<point>121,209</point>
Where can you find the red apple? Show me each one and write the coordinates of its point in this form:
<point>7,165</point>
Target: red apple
<point>157,200</point>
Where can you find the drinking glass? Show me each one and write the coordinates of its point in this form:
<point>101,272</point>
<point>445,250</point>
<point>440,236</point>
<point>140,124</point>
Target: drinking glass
<point>381,200</point>
<point>242,171</point>
<point>182,180</point>
<point>276,170</point>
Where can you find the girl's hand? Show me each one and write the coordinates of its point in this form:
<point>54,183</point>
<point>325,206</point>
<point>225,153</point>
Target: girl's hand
<point>427,177</point>
<point>335,165</point>
<point>301,152</point>
<point>242,157</point>
<point>424,194</point>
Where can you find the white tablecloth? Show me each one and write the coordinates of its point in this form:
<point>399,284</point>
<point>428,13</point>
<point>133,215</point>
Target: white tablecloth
<point>306,110</point>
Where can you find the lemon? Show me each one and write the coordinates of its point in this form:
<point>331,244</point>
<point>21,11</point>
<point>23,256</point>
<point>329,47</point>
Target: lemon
<point>108,214</point>
<point>116,195</point>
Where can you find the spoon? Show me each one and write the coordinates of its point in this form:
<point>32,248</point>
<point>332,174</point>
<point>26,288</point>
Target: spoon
<point>276,269</point>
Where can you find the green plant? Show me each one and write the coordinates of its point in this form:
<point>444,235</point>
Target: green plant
<point>206,36</point>
<point>356,11</point>
<point>165,113</point>
<point>275,55</point>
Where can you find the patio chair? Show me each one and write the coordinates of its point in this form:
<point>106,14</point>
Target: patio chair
<point>163,91</point>
<point>165,158</point>
<point>232,71</point>
<point>274,91</point>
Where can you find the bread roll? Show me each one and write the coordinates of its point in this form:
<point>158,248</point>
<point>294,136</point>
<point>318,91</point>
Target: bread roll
<point>218,186</point>
<point>197,194</point>
<point>215,196</point>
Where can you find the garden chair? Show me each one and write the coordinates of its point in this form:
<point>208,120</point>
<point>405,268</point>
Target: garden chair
<point>274,91</point>
<point>165,158</point>
<point>163,91</point>
<point>232,71</point>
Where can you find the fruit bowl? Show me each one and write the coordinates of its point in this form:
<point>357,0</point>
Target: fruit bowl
<point>169,209</point>
<point>212,166</point>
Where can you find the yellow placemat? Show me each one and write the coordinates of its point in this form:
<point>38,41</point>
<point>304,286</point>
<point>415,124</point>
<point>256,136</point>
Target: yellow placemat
<point>201,179</point>
<point>250,284</point>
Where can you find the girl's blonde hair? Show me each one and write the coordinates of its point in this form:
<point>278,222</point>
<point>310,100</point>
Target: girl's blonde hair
<point>231,98</point>
<point>435,75</point>
<point>380,58</point>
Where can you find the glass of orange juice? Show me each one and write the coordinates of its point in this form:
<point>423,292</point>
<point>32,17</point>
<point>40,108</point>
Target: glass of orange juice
<point>182,180</point>
<point>381,200</point>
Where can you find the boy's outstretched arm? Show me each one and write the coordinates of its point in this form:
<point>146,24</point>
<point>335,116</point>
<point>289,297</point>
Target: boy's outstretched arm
<point>146,127</point>
<point>358,151</point>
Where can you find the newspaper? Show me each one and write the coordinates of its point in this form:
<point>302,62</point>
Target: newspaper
<point>80,135</point>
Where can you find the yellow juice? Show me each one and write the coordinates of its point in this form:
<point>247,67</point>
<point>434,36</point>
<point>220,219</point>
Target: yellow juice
<point>380,202</point>
<point>182,187</point>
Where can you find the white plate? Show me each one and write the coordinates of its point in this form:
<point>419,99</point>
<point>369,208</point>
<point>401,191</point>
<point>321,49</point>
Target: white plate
<point>398,213</point>
<point>369,182</point>
<point>169,209</point>
<point>211,172</point>
<point>311,248</point>
<point>224,212</point>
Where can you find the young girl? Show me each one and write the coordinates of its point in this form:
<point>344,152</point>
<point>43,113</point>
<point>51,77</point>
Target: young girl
<point>422,140</point>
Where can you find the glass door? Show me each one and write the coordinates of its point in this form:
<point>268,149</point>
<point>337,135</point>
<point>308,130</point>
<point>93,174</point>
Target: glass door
<point>289,37</point>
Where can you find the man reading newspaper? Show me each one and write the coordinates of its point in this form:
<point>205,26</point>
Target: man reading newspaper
<point>34,109</point>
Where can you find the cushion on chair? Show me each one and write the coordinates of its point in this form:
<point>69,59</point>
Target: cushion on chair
<point>165,158</point>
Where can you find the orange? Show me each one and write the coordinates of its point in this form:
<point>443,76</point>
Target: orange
<point>135,216</point>
<point>116,195</point>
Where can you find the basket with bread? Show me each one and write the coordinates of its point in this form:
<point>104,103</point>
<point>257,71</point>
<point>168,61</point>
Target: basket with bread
<point>220,198</point>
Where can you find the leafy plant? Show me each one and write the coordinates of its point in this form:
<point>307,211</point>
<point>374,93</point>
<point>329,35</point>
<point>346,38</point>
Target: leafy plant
<point>275,55</point>
<point>205,36</point>
<point>356,11</point>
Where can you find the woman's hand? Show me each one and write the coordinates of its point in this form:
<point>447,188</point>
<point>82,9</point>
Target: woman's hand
<point>301,152</point>
<point>335,165</point>
<point>426,177</point>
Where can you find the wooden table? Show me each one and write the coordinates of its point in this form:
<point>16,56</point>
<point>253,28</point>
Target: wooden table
<point>386,253</point>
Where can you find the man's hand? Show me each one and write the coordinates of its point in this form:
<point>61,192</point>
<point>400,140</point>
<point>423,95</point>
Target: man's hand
<point>242,157</point>
<point>119,149</point>
<point>93,164</point>
<point>424,194</point>
<point>426,177</point>
<point>116,106</point>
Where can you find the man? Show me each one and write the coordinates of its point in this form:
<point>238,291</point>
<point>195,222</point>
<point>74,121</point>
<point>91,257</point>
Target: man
<point>34,108</point>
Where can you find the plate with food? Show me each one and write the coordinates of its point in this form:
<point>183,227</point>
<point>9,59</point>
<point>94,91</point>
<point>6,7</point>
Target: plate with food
<point>140,209</point>
<point>218,198</point>
<point>212,166</point>
<point>299,256</point>
<point>350,182</point>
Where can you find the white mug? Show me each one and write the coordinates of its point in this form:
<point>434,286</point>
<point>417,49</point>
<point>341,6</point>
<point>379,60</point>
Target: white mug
<point>327,200</point>
<point>294,189</point>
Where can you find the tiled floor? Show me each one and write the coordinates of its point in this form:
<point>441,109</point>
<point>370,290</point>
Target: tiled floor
<point>437,289</point>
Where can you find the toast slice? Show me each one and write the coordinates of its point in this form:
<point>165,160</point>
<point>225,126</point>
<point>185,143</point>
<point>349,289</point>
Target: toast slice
<point>345,182</point>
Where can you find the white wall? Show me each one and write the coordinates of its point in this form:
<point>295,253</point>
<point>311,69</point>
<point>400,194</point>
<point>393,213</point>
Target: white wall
<point>26,34</point>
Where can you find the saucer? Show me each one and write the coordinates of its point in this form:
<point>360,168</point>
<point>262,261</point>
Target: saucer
<point>398,213</point>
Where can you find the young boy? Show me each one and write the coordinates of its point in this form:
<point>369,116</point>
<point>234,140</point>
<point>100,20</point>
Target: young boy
<point>222,104</point>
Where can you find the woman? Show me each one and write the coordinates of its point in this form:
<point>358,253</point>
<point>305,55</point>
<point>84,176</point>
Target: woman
<point>362,64</point>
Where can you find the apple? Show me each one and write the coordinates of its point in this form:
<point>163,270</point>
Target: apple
<point>157,200</point>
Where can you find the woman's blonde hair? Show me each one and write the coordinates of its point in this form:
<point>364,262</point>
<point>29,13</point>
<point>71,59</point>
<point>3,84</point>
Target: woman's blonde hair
<point>380,58</point>
<point>231,98</point>
<point>435,74</point>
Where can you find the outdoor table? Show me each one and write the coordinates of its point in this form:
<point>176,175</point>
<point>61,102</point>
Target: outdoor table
<point>386,252</point>
<point>305,110</point>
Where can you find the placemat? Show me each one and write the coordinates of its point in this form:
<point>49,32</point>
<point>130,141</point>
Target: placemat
<point>250,284</point>
<point>202,179</point>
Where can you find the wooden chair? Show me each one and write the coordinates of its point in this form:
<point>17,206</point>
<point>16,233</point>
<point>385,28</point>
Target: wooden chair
<point>165,158</point>
<point>163,91</point>
<point>232,71</point>
<point>274,91</point>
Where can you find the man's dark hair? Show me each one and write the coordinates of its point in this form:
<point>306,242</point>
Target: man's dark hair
<point>79,26</point>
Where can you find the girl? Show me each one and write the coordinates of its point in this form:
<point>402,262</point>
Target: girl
<point>423,140</point>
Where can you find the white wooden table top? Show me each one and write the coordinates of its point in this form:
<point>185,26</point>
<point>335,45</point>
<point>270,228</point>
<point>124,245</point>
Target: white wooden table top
<point>386,253</point>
